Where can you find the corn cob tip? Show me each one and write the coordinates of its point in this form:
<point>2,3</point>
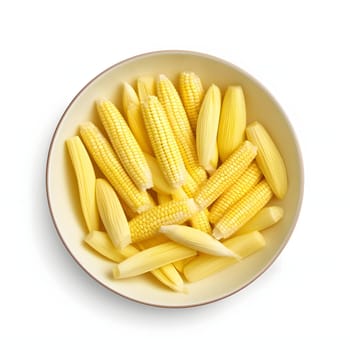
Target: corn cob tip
<point>101,100</point>
<point>162,77</point>
<point>217,233</point>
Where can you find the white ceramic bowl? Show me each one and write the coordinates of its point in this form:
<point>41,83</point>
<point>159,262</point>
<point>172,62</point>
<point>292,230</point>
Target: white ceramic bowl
<point>63,196</point>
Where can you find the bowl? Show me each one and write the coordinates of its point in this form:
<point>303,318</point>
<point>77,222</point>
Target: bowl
<point>63,196</point>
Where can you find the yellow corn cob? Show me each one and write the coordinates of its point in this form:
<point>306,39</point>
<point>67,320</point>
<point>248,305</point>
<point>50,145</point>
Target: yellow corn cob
<point>160,184</point>
<point>151,258</point>
<point>226,175</point>
<point>112,214</point>
<point>200,221</point>
<point>245,182</point>
<point>100,242</point>
<point>232,122</point>
<point>145,87</point>
<point>163,142</point>
<point>146,225</point>
<point>132,110</point>
<point>125,145</point>
<point>190,186</point>
<point>269,159</point>
<point>192,92</point>
<point>102,152</point>
<point>204,265</point>
<point>86,179</point>
<point>243,210</point>
<point>265,218</point>
<point>171,102</point>
<point>197,240</point>
<point>207,127</point>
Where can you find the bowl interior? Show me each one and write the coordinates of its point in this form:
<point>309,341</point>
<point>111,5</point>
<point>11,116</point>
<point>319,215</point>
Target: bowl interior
<point>63,195</point>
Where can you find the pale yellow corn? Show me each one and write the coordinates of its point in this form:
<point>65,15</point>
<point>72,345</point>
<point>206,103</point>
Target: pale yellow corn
<point>205,265</point>
<point>125,144</point>
<point>112,214</point>
<point>132,110</point>
<point>243,210</point>
<point>207,127</point>
<point>160,183</point>
<point>146,225</point>
<point>245,182</point>
<point>105,158</point>
<point>146,86</point>
<point>163,142</point>
<point>196,239</point>
<point>152,258</point>
<point>169,270</point>
<point>86,179</point>
<point>191,92</point>
<point>226,175</point>
<point>162,274</point>
<point>233,121</point>
<point>269,159</point>
<point>180,264</point>
<point>174,277</point>
<point>171,102</point>
<point>265,218</point>
<point>101,242</point>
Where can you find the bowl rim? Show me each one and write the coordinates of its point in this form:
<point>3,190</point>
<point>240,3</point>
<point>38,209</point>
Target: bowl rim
<point>255,81</point>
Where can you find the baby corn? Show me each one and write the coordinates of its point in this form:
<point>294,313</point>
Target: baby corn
<point>226,175</point>
<point>245,182</point>
<point>124,144</point>
<point>151,259</point>
<point>105,158</point>
<point>269,159</point>
<point>112,214</point>
<point>171,102</point>
<point>232,123</point>
<point>207,127</point>
<point>163,142</point>
<point>197,240</point>
<point>191,92</point>
<point>243,210</point>
<point>86,179</point>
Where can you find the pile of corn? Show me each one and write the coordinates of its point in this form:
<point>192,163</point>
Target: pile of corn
<point>186,181</point>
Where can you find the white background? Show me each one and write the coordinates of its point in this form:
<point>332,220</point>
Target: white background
<point>298,49</point>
